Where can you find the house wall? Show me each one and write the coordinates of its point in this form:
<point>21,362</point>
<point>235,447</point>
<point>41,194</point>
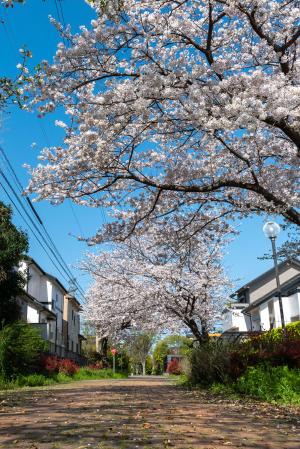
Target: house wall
<point>71,321</point>
<point>294,307</point>
<point>36,284</point>
<point>57,298</point>
<point>255,320</point>
<point>73,327</point>
<point>33,315</point>
<point>235,319</point>
<point>264,317</point>
<point>52,331</point>
<point>291,308</point>
<point>23,308</point>
<point>64,331</point>
<point>267,285</point>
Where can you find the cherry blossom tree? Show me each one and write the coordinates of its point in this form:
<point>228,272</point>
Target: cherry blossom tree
<point>151,286</point>
<point>176,110</point>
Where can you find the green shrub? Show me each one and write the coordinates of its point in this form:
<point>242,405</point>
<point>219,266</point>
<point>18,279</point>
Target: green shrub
<point>210,363</point>
<point>270,383</point>
<point>20,346</point>
<point>149,365</point>
<point>277,335</point>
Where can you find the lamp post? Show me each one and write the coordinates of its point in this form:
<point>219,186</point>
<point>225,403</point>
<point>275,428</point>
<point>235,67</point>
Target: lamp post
<point>271,230</point>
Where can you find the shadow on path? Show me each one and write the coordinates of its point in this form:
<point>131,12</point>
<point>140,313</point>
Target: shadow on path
<point>140,413</point>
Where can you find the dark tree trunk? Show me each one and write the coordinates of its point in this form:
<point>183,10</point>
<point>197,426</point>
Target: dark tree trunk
<point>103,347</point>
<point>200,335</point>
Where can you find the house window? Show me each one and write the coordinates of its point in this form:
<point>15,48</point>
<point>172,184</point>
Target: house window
<point>271,314</point>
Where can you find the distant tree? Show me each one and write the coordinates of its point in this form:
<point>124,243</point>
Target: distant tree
<point>138,348</point>
<point>164,347</point>
<point>13,245</point>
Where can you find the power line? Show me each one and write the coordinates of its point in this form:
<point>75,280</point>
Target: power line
<point>27,215</point>
<point>62,12</point>
<point>75,217</point>
<point>52,247</point>
<point>32,231</point>
<point>66,273</point>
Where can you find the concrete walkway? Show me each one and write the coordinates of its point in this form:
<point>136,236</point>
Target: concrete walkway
<point>137,413</point>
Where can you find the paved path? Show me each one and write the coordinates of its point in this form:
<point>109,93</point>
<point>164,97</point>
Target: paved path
<point>137,413</point>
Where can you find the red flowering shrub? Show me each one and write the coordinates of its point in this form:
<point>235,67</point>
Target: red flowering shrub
<point>50,364</point>
<point>174,367</point>
<point>274,348</point>
<point>97,365</point>
<point>68,367</point>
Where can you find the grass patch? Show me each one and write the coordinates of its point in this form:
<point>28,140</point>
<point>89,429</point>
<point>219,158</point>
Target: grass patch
<point>37,380</point>
<point>273,384</point>
<point>278,385</point>
<point>181,380</point>
<point>94,374</point>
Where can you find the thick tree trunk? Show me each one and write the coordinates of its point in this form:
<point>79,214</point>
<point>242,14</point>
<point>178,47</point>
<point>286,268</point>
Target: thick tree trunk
<point>102,346</point>
<point>144,367</point>
<point>200,335</point>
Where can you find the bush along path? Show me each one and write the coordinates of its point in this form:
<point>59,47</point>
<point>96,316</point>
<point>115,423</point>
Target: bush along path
<point>149,413</point>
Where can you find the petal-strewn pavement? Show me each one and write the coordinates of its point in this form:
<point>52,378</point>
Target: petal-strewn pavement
<point>148,413</point>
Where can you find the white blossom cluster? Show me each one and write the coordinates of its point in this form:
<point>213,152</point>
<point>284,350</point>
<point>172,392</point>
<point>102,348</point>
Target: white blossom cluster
<point>154,284</point>
<point>176,110</point>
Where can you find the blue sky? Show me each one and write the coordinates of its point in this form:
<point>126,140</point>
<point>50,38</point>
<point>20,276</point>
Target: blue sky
<point>29,24</point>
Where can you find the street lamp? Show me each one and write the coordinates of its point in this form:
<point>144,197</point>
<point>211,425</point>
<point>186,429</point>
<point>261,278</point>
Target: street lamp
<point>271,231</point>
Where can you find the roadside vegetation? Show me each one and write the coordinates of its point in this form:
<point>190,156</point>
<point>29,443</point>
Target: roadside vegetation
<point>265,366</point>
<point>24,361</point>
<point>35,380</point>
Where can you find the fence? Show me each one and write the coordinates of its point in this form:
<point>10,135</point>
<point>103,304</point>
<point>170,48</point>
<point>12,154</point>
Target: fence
<point>58,350</point>
<point>236,336</point>
<point>62,352</point>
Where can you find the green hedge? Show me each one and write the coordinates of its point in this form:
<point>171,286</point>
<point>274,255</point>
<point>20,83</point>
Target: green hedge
<point>277,335</point>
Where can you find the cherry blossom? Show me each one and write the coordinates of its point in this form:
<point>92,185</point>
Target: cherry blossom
<point>176,110</point>
<point>153,284</point>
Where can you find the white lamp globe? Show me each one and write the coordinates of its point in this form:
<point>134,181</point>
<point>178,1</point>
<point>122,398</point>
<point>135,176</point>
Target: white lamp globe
<point>271,229</point>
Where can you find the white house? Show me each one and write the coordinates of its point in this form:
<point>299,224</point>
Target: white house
<point>71,320</point>
<point>33,312</point>
<point>255,305</point>
<point>52,309</point>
